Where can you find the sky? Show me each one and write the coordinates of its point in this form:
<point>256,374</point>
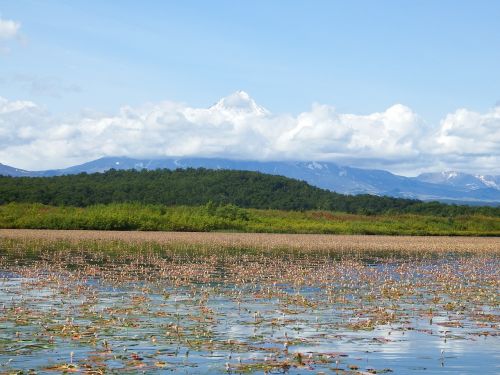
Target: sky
<point>406,86</point>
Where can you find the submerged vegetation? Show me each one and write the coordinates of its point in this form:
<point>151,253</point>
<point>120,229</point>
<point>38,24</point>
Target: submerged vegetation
<point>216,217</point>
<point>98,306</point>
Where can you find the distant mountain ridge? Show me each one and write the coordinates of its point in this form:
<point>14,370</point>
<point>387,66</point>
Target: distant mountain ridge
<point>6,170</point>
<point>446,186</point>
<point>464,180</point>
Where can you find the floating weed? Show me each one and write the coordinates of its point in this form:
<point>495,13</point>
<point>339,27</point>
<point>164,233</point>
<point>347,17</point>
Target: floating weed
<point>99,307</point>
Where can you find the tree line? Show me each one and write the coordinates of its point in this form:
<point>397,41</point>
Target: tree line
<point>194,187</point>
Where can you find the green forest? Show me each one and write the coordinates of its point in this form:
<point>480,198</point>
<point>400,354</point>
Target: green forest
<point>223,200</point>
<point>195,187</point>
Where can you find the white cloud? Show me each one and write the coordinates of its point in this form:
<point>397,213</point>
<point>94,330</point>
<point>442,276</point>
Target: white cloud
<point>17,119</point>
<point>396,139</point>
<point>468,132</point>
<point>9,29</point>
<point>325,134</point>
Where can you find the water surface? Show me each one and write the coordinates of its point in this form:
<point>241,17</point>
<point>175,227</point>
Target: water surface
<point>90,310</point>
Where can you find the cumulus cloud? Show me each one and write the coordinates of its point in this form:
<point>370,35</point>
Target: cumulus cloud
<point>9,29</point>
<point>467,137</point>
<point>326,134</point>
<point>396,139</point>
<point>16,119</point>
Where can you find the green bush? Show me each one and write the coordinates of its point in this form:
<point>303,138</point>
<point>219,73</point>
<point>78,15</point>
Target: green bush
<point>228,217</point>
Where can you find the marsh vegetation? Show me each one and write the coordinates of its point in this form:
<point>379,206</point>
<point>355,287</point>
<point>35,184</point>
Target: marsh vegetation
<point>115,302</point>
<point>228,217</point>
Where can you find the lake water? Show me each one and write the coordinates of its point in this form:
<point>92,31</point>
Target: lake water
<point>235,312</point>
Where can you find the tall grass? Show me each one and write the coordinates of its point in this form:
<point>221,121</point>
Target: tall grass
<point>130,216</point>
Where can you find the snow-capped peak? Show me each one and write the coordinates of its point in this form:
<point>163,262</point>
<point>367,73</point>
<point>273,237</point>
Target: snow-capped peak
<point>314,165</point>
<point>239,102</point>
<point>468,181</point>
<point>449,174</point>
<point>488,181</point>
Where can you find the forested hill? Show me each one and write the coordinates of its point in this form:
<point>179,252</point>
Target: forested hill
<point>199,186</point>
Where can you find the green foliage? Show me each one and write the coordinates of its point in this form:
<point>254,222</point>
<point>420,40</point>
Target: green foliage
<point>219,217</point>
<point>227,190</point>
<point>226,211</point>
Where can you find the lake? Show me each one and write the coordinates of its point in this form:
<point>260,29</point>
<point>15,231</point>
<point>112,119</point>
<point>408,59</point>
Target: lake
<point>116,307</point>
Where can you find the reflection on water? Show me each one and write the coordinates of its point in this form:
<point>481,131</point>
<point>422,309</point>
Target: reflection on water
<point>245,311</point>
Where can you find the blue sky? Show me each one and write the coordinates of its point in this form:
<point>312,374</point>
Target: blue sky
<point>360,57</point>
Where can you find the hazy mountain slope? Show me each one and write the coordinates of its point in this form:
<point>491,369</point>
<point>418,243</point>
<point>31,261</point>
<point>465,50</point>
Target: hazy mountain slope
<point>6,170</point>
<point>462,180</point>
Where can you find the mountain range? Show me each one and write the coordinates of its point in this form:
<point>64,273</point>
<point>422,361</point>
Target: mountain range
<point>450,187</point>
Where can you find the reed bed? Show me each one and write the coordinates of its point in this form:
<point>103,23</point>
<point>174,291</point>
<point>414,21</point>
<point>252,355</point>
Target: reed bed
<point>210,303</point>
<point>302,242</point>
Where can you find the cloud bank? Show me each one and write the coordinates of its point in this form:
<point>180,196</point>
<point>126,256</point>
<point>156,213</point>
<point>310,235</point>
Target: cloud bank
<point>396,139</point>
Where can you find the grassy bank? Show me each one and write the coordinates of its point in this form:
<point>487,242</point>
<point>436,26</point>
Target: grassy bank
<point>212,217</point>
